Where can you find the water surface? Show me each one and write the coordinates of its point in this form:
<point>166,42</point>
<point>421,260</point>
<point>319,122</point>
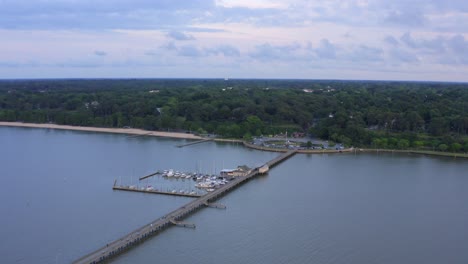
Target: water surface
<point>57,203</point>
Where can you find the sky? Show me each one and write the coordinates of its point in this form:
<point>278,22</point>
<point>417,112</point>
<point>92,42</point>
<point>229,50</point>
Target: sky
<point>419,40</point>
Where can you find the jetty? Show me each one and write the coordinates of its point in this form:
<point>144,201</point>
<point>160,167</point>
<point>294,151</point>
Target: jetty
<point>194,142</point>
<point>149,175</point>
<point>141,234</point>
<point>125,188</point>
<point>142,135</point>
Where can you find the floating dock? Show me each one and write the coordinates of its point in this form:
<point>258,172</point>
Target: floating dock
<point>183,224</point>
<point>139,235</point>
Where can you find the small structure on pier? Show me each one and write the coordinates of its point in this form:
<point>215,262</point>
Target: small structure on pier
<point>263,169</point>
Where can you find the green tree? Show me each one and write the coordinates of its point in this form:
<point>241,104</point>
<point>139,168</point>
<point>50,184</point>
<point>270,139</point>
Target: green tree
<point>345,140</point>
<point>253,124</point>
<point>376,142</point>
<point>392,142</point>
<point>247,136</point>
<point>418,144</point>
<point>455,147</point>
<point>201,131</point>
<point>403,144</point>
<point>443,147</point>
<point>434,144</point>
<point>233,131</point>
<point>438,126</point>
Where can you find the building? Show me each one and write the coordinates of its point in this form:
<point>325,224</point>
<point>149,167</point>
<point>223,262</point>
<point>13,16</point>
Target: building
<point>240,171</point>
<point>298,135</point>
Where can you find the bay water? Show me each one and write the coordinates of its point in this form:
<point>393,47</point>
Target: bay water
<point>57,203</point>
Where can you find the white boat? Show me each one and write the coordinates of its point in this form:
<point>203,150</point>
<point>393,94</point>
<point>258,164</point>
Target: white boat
<point>170,173</point>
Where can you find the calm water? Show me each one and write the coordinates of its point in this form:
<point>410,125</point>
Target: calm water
<point>57,203</point>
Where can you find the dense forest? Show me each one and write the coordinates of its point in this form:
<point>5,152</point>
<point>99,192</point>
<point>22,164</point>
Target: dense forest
<point>396,115</point>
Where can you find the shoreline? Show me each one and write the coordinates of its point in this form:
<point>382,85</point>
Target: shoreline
<point>128,131</point>
<point>178,135</point>
<point>418,152</point>
<point>362,150</point>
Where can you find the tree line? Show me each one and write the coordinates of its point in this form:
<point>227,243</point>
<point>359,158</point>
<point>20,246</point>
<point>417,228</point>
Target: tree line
<point>396,115</point>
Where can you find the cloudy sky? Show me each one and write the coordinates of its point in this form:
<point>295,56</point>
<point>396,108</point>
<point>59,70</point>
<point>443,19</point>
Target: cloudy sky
<point>327,39</point>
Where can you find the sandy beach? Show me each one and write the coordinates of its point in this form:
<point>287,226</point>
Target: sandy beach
<point>129,131</point>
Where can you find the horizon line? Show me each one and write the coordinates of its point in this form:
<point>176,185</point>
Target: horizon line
<point>225,79</point>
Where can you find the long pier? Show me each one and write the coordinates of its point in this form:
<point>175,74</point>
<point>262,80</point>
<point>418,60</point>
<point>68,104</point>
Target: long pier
<point>194,142</point>
<point>139,235</point>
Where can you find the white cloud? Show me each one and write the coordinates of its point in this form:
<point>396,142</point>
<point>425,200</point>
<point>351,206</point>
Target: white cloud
<point>251,38</point>
<point>252,4</point>
<point>100,53</point>
<point>326,50</point>
<point>177,35</point>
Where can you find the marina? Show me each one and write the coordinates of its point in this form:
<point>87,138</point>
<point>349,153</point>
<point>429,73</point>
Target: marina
<point>141,234</point>
<point>191,184</point>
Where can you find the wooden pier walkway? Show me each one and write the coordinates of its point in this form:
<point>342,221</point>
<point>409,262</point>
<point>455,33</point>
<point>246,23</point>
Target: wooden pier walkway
<point>194,142</point>
<point>139,235</point>
<point>124,188</point>
<point>280,158</point>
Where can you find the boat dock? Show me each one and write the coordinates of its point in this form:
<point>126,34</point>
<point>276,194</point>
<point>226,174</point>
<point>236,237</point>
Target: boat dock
<point>183,224</point>
<point>194,142</point>
<point>139,235</point>
<point>124,188</point>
